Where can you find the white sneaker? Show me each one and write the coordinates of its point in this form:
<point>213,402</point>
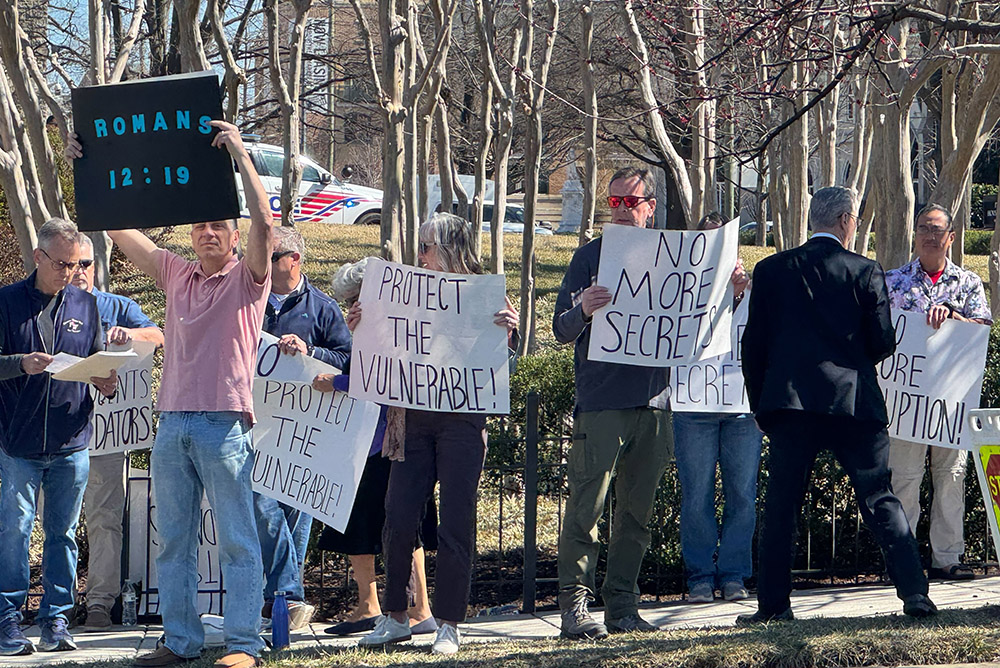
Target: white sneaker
<point>387,632</point>
<point>446,640</point>
<point>300,614</point>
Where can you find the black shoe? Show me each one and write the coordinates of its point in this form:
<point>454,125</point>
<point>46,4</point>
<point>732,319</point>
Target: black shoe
<point>761,617</point>
<point>628,624</point>
<point>347,628</point>
<point>919,606</point>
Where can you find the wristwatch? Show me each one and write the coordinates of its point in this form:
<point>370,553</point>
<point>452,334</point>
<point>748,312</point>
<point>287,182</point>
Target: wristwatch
<point>951,309</point>
<point>309,350</point>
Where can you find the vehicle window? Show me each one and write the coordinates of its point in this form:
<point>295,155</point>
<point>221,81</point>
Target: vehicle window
<point>310,173</point>
<point>272,163</point>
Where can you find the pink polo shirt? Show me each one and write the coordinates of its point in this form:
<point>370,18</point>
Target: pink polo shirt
<point>212,327</point>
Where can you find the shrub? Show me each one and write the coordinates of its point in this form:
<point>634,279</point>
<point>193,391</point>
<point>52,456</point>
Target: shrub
<point>977,242</point>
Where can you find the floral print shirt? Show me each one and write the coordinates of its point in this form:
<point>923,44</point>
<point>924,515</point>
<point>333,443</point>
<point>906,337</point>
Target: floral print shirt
<point>911,289</point>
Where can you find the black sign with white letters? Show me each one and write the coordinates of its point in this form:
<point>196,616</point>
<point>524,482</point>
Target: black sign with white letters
<point>148,159</point>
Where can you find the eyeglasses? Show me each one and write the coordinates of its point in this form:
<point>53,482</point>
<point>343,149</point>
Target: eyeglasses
<point>932,231</point>
<point>72,267</point>
<point>630,201</point>
<point>277,255</point>
<point>424,246</point>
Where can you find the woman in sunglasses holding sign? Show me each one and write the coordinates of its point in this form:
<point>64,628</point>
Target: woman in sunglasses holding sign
<point>449,448</point>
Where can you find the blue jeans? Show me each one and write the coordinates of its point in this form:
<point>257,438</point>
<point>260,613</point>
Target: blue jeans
<point>62,478</point>
<point>702,440</point>
<point>206,453</point>
<point>283,532</point>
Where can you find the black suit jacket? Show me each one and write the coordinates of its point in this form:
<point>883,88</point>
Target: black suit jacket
<point>818,323</point>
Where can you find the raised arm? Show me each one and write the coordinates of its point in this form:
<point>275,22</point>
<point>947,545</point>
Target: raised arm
<point>139,249</point>
<point>258,248</point>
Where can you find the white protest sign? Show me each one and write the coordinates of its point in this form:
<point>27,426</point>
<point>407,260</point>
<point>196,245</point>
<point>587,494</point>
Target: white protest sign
<point>933,379</point>
<point>714,385</point>
<point>144,546</point>
<point>671,298</point>
<point>125,421</point>
<point>274,365</point>
<point>427,340</point>
<point>310,446</point>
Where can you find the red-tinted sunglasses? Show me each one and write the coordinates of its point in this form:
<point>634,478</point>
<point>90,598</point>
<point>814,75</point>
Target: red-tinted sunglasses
<point>630,201</point>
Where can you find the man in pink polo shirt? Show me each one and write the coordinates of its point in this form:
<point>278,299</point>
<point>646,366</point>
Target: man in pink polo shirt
<point>215,309</point>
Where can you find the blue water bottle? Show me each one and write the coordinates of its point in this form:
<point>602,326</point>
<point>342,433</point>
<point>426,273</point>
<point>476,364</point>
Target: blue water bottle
<point>279,620</point>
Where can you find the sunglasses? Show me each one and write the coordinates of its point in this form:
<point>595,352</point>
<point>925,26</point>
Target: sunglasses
<point>277,255</point>
<point>58,265</point>
<point>630,201</point>
<point>424,246</point>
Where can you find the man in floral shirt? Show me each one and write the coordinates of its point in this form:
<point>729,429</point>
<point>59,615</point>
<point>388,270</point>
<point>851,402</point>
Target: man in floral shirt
<point>935,285</point>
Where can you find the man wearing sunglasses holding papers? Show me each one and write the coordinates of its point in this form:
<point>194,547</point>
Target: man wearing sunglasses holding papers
<point>621,427</point>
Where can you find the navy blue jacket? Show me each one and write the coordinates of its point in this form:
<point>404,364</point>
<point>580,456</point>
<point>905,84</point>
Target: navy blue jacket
<point>38,415</point>
<point>316,319</point>
<point>599,385</point>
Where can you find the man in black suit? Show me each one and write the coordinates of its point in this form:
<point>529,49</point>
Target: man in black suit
<point>818,324</point>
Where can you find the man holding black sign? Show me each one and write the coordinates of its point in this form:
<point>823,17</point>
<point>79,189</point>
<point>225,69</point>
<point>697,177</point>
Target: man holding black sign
<point>45,430</point>
<point>818,324</point>
<point>215,310</point>
<point>306,322</point>
<point>933,284</point>
<point>622,427</point>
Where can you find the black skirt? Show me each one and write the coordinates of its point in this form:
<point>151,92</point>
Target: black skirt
<point>363,534</point>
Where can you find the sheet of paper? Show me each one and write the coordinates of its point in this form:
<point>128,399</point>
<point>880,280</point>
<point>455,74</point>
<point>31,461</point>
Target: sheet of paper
<point>98,365</point>
<point>62,361</point>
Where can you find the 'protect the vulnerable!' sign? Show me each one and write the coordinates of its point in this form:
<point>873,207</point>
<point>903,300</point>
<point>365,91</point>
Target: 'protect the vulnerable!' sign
<point>933,379</point>
<point>310,446</point>
<point>671,297</point>
<point>148,159</point>
<point>427,340</point>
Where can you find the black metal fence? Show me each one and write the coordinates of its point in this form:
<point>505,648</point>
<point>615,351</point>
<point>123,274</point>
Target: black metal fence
<point>518,567</point>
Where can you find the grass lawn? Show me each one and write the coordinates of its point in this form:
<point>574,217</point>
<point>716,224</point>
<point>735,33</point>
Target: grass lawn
<point>958,636</point>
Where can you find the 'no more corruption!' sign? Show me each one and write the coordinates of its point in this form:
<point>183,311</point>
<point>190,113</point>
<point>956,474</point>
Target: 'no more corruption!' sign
<point>427,340</point>
<point>125,421</point>
<point>714,385</point>
<point>933,379</point>
<point>671,298</point>
<point>310,446</point>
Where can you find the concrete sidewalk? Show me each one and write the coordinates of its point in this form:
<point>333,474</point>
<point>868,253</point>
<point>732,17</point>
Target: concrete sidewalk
<point>863,601</point>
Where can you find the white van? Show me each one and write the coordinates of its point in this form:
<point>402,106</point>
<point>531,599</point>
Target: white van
<point>322,198</point>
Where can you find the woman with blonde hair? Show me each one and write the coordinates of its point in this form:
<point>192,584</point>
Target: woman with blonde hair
<point>444,448</point>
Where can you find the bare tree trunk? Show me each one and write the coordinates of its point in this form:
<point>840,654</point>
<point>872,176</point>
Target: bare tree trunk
<point>589,123</point>
<point>485,141</point>
<point>411,102</point>
<point>533,94</point>
<point>235,76</point>
<point>891,192</point>
<point>702,167</point>
<point>190,46</point>
<point>504,92</point>
<point>12,179</point>
<point>678,169</point>
<point>25,97</point>
<point>288,92</point>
